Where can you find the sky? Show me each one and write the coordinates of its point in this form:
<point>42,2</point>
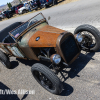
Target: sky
<point>2,2</point>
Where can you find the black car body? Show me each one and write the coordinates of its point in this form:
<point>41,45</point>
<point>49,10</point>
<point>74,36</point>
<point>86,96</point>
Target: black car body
<point>46,3</point>
<point>13,9</point>
<point>8,13</point>
<point>35,4</point>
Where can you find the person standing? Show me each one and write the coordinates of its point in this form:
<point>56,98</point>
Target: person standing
<point>28,5</point>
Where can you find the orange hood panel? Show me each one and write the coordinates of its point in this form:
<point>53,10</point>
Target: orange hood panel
<point>47,37</point>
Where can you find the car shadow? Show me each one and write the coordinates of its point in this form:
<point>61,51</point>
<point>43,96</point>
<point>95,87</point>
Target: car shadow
<point>31,62</point>
<point>67,90</point>
<point>5,95</point>
<point>27,62</point>
<point>76,66</point>
<point>14,64</point>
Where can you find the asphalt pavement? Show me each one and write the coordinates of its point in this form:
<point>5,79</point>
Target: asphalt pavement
<point>82,78</point>
<point>66,16</point>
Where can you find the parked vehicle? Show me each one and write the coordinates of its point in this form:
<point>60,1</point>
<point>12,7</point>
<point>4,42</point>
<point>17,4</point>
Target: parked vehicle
<point>36,4</point>
<point>2,13</point>
<point>36,40</point>
<point>46,3</point>
<point>8,13</point>
<point>24,9</point>
<point>13,9</point>
<point>18,7</point>
<point>1,16</point>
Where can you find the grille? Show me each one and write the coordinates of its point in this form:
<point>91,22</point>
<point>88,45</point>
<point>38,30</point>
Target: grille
<point>69,48</point>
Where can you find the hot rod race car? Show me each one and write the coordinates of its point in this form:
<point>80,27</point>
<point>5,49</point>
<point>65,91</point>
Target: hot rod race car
<point>35,39</point>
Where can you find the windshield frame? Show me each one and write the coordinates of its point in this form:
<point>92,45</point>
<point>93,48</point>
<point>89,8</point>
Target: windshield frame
<point>27,29</point>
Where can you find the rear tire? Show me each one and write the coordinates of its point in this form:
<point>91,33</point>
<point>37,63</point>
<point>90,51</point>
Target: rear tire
<point>5,60</point>
<point>46,78</point>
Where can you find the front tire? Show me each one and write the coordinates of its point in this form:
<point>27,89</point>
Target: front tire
<point>5,60</point>
<point>24,11</point>
<point>92,32</point>
<point>46,78</point>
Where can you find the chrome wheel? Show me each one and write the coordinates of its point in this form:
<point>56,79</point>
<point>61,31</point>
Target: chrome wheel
<point>91,37</point>
<point>88,39</point>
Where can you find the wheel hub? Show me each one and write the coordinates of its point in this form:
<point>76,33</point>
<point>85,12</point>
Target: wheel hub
<point>87,40</point>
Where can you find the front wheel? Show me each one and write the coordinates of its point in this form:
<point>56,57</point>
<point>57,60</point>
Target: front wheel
<point>24,11</point>
<point>46,78</point>
<point>91,37</point>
